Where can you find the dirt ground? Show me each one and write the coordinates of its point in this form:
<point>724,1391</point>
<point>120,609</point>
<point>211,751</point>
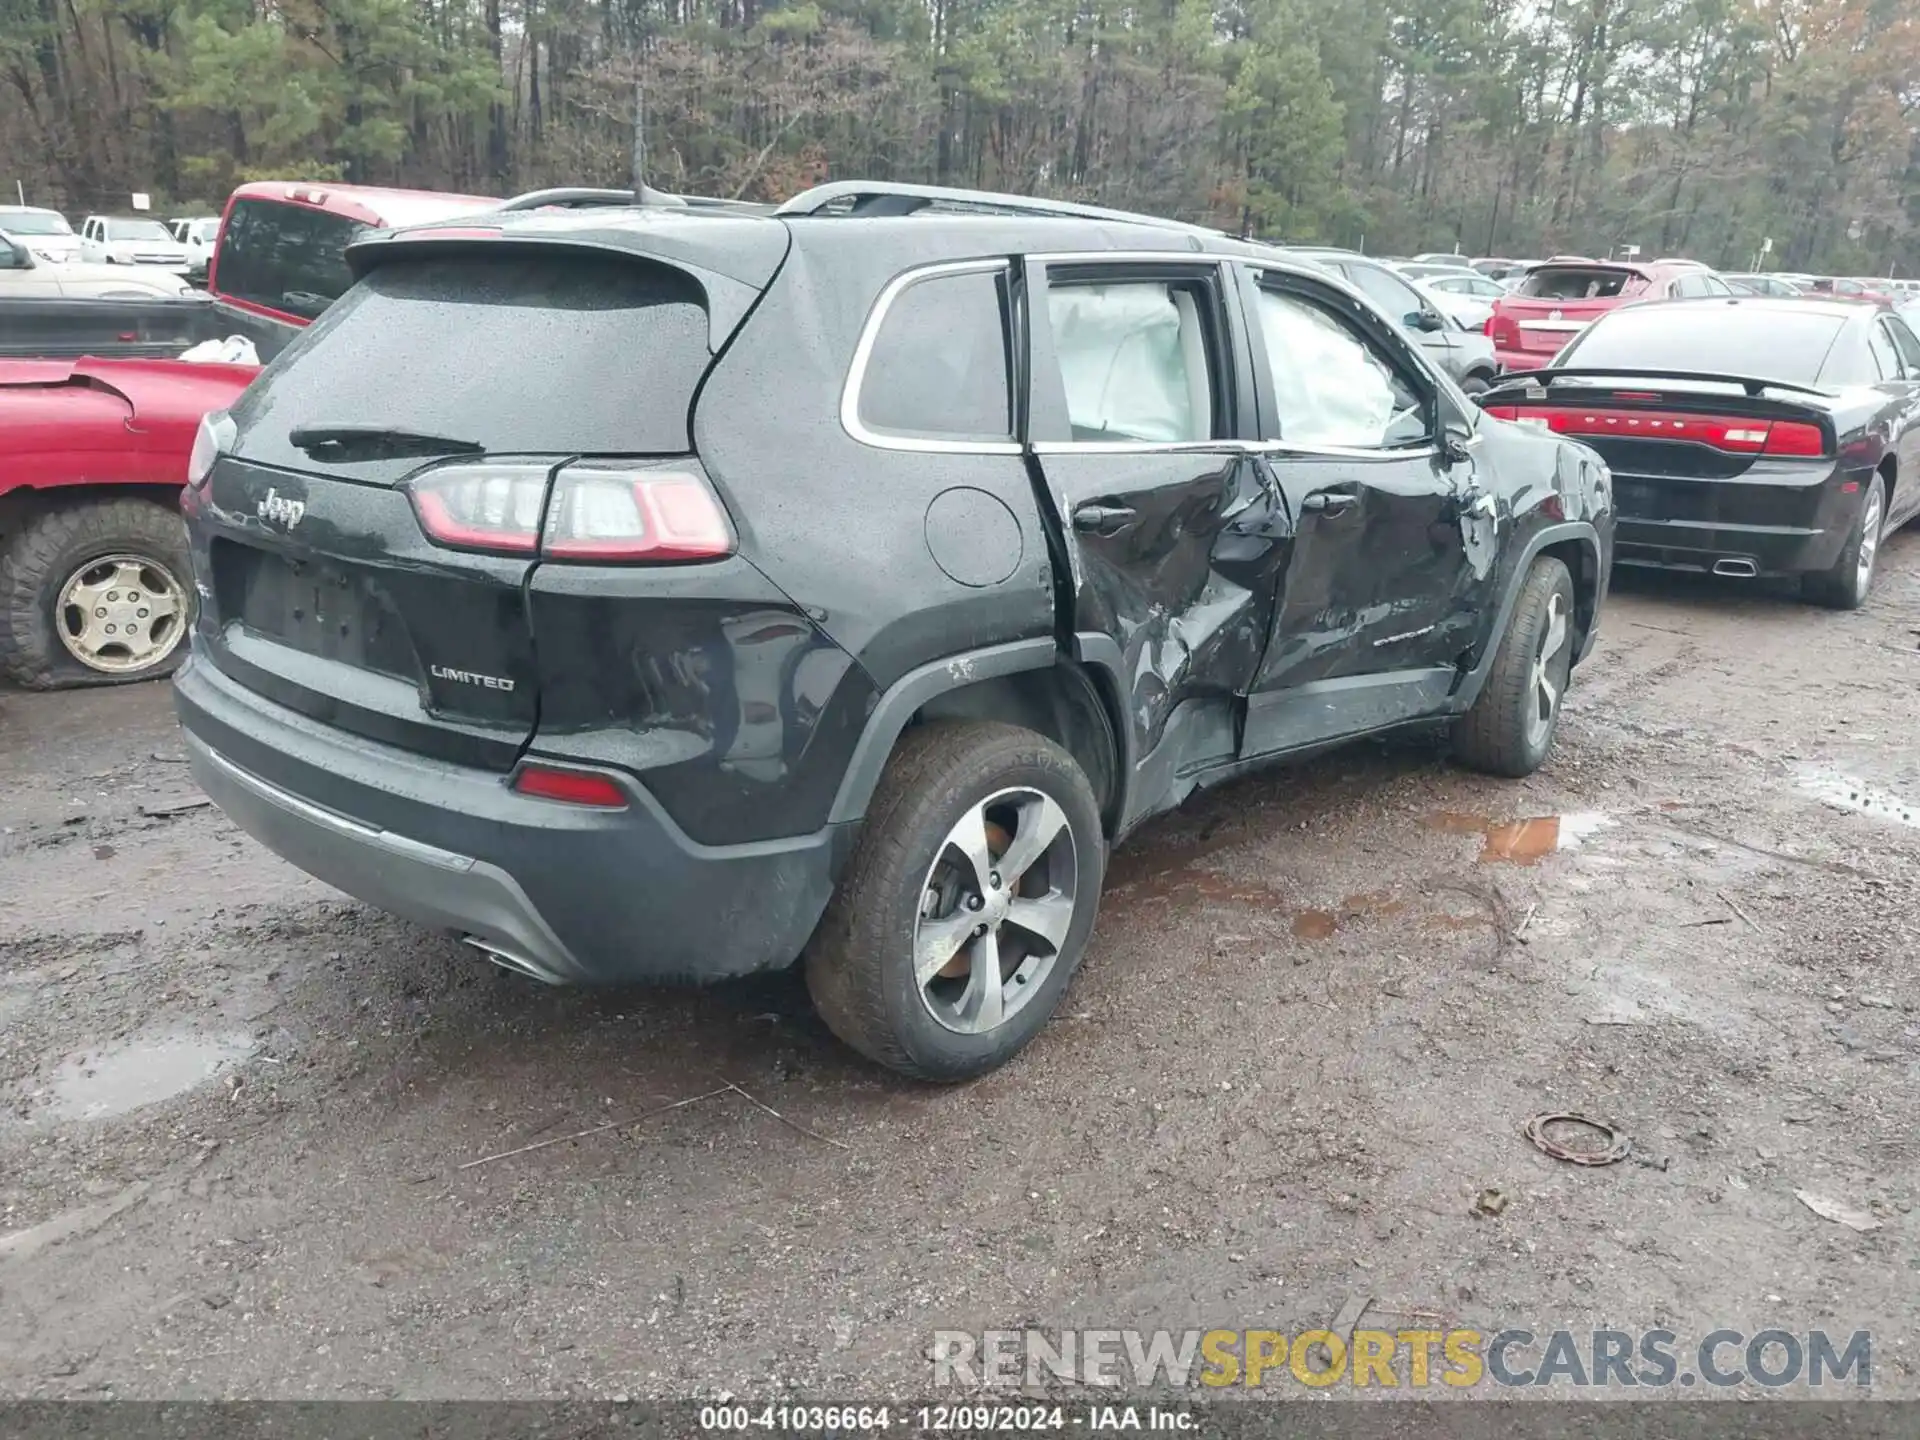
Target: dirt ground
<point>239,1115</point>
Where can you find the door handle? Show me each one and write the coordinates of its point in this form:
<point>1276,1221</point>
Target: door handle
<point>1103,519</point>
<point>1330,502</point>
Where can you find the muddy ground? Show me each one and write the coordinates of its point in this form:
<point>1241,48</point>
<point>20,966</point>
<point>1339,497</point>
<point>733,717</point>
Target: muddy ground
<point>239,1115</point>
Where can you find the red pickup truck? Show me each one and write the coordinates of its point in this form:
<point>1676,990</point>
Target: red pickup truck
<point>94,582</point>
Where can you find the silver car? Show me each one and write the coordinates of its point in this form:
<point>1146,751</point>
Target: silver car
<point>1466,355</point>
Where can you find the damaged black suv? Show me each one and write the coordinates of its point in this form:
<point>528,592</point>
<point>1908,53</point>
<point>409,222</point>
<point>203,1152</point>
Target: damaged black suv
<point>664,593</point>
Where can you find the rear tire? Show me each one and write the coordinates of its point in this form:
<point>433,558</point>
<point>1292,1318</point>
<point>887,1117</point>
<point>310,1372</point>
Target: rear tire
<point>1475,385</point>
<point>62,555</point>
<point>899,967</point>
<point>1846,585</point>
<point>1510,728</point>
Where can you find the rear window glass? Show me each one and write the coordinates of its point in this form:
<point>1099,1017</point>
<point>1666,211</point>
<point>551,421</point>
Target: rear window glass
<point>541,354</point>
<point>1580,282</point>
<point>289,258</point>
<point>938,368</point>
<point>1773,344</point>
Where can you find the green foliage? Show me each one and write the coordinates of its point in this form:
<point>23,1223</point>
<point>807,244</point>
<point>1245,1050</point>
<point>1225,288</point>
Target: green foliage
<point>1683,126</point>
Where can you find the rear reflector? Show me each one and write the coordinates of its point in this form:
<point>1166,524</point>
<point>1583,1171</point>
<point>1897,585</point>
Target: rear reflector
<point>574,787</point>
<point>599,513</point>
<point>1736,435</point>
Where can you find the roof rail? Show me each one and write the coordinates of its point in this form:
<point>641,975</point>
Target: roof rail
<point>574,197</point>
<point>887,197</point>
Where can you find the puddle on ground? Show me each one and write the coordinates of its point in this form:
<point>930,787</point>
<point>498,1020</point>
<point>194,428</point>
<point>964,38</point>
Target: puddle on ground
<point>1521,842</point>
<point>1847,792</point>
<point>100,1084</point>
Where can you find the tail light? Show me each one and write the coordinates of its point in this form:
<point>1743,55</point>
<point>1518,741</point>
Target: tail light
<point>212,440</point>
<point>1487,329</point>
<point>603,513</point>
<point>572,787</point>
<point>1736,435</point>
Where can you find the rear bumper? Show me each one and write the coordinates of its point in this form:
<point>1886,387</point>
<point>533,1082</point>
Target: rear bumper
<point>569,894</point>
<point>1520,360</point>
<point>1777,529</point>
<point>1726,549</point>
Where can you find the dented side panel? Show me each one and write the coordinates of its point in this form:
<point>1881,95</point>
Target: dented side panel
<point>1184,582</point>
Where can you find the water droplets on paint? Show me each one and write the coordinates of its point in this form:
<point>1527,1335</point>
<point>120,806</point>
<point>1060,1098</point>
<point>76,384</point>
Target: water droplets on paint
<point>1526,841</point>
<point>100,1084</point>
<point>1849,792</point>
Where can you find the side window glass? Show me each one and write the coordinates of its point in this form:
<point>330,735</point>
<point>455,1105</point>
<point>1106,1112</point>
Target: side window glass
<point>938,367</point>
<point>1392,295</point>
<point>1135,359</point>
<point>1331,385</point>
<point>1884,355</point>
<point>1906,343</point>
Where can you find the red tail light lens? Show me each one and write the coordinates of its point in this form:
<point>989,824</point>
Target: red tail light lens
<point>598,513</point>
<point>574,787</point>
<point>1737,435</point>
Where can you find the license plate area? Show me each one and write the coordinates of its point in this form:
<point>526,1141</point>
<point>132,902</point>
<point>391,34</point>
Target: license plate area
<point>314,605</point>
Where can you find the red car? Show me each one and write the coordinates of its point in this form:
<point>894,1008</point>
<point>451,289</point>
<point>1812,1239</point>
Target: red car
<point>94,582</point>
<point>1559,299</point>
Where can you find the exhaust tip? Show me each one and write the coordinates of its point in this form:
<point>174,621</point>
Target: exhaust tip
<point>1743,569</point>
<point>512,960</point>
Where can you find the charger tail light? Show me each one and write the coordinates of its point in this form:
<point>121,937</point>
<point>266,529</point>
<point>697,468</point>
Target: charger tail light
<point>572,787</point>
<point>598,513</point>
<point>1737,435</point>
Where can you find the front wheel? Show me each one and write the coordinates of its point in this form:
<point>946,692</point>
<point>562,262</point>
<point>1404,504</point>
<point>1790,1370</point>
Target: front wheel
<point>1511,726</point>
<point>967,904</point>
<point>93,593</point>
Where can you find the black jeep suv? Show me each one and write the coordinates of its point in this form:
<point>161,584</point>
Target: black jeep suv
<point>647,594</point>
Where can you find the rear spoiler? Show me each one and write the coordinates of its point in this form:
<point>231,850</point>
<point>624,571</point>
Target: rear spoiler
<point>1749,383</point>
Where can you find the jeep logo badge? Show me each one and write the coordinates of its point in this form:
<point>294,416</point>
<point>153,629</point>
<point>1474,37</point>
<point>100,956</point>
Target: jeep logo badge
<point>276,509</point>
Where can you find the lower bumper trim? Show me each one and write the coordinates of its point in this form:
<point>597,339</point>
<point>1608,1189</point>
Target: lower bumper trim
<point>435,887</point>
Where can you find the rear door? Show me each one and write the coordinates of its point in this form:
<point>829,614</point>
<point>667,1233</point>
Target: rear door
<point>1382,594</point>
<point>443,392</point>
<point>1141,420</point>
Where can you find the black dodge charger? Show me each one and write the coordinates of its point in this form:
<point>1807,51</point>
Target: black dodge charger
<point>1747,436</point>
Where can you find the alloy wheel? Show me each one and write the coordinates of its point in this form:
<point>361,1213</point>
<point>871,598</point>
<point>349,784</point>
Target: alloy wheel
<point>1869,542</point>
<point>120,614</point>
<point>1543,695</point>
<point>996,907</point>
